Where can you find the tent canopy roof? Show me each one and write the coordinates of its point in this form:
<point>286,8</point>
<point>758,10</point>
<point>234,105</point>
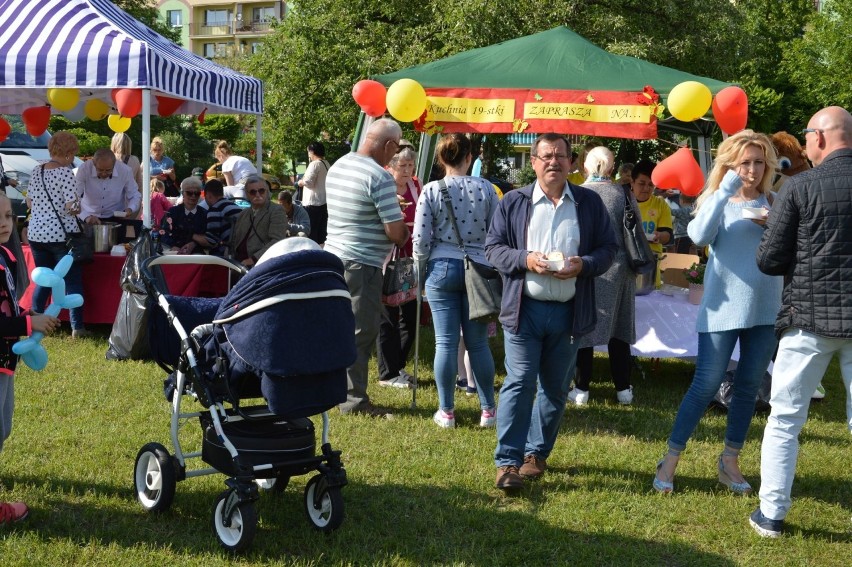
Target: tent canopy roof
<point>94,46</point>
<point>555,59</point>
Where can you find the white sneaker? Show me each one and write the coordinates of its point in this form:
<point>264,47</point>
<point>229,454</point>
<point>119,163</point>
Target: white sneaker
<point>400,381</point>
<point>625,397</point>
<point>488,418</point>
<point>444,419</point>
<point>819,393</point>
<point>578,397</point>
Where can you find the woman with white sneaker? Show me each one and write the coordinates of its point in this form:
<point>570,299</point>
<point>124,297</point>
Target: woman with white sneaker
<point>615,291</point>
<point>435,243</point>
<point>740,303</point>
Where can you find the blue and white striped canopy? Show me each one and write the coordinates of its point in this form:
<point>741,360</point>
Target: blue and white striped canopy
<point>96,47</point>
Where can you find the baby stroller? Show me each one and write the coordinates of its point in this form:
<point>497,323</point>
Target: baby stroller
<point>285,332</point>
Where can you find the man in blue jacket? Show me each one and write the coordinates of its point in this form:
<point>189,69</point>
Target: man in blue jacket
<point>546,305</point>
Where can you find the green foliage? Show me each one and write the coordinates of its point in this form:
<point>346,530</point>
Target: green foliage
<point>818,62</point>
<point>219,127</point>
<point>88,141</point>
<point>526,175</point>
<point>146,11</point>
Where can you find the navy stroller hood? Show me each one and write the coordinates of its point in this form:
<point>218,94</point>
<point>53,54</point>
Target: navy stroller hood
<point>290,322</point>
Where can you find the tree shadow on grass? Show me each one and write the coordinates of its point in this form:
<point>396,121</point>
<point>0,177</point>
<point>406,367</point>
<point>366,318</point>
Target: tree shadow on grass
<point>385,524</point>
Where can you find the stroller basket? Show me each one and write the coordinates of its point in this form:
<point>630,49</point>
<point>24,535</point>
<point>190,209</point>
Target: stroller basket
<point>260,442</point>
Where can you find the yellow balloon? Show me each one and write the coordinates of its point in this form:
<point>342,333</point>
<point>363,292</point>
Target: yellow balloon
<point>118,123</point>
<point>406,100</point>
<point>689,101</point>
<point>63,99</point>
<point>96,109</point>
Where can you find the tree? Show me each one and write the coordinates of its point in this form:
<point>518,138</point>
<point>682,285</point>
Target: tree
<point>146,11</point>
<point>309,74</point>
<point>818,62</point>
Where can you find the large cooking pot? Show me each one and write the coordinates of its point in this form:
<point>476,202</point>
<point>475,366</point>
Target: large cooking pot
<point>105,235</point>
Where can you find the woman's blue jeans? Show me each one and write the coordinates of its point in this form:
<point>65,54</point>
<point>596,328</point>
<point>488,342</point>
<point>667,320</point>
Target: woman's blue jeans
<point>757,344</point>
<point>47,255</point>
<point>447,296</point>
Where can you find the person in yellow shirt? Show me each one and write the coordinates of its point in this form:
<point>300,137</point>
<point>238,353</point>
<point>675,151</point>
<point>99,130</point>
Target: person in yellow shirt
<point>656,214</point>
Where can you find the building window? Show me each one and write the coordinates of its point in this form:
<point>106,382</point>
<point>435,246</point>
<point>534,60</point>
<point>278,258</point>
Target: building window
<point>174,18</point>
<point>255,46</point>
<point>209,50</point>
<point>263,14</point>
<point>217,17</point>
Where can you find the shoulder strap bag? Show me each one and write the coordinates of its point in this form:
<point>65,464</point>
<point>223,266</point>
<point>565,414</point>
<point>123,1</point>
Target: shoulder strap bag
<point>640,257</point>
<point>79,245</point>
<point>484,284</point>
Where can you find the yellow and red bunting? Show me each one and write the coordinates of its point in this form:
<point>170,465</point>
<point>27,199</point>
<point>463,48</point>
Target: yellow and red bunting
<point>600,113</point>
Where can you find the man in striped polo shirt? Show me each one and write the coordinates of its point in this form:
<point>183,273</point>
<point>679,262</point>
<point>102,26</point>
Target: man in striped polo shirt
<point>364,222</point>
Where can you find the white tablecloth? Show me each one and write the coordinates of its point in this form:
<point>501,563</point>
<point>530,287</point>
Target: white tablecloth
<point>665,327</point>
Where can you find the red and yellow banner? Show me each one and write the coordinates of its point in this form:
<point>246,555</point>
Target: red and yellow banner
<point>507,111</point>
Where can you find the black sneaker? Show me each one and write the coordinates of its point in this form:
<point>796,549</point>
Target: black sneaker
<point>764,526</point>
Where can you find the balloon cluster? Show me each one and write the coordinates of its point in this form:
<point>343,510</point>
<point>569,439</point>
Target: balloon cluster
<point>690,100</point>
<point>127,103</point>
<point>405,100</point>
<point>30,349</point>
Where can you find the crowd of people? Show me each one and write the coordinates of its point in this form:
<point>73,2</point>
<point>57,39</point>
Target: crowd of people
<point>770,283</point>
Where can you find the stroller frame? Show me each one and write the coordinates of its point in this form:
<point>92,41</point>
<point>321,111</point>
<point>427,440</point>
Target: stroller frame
<point>157,472</point>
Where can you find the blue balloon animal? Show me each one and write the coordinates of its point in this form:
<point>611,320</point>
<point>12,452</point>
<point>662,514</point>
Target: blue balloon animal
<point>30,349</point>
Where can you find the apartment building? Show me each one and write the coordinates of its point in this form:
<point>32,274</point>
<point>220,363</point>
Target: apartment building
<point>222,28</point>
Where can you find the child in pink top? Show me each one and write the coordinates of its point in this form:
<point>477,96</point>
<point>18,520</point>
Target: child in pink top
<point>160,204</point>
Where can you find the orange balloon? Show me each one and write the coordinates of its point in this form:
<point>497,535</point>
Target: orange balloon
<point>370,96</point>
<point>36,119</point>
<point>127,101</point>
<point>730,109</point>
<point>679,171</point>
<point>5,129</point>
<point>166,105</point>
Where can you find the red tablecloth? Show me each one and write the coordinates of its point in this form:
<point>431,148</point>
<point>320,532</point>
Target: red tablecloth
<point>102,292</point>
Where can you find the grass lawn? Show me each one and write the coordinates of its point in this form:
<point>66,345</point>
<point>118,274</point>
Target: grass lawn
<point>417,495</point>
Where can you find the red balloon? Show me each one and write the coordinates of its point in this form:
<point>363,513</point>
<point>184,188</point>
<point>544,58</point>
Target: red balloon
<point>370,96</point>
<point>679,171</point>
<point>36,119</point>
<point>166,105</point>
<point>127,101</point>
<point>730,109</point>
<point>5,129</point>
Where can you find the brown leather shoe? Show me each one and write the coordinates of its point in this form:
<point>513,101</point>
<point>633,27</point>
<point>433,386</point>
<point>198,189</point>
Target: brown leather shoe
<point>533,467</point>
<point>508,478</point>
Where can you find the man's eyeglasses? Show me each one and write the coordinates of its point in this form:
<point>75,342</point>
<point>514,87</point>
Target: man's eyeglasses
<point>807,131</point>
<point>551,157</point>
<point>255,192</point>
<point>192,193</point>
<point>106,171</point>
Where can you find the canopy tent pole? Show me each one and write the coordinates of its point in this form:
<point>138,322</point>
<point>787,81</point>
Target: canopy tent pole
<point>145,190</point>
<point>258,147</point>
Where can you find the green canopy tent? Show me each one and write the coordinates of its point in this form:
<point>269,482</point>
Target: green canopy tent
<point>552,81</point>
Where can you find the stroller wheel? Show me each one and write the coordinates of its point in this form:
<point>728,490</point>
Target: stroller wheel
<point>323,504</point>
<point>237,530</point>
<point>154,478</point>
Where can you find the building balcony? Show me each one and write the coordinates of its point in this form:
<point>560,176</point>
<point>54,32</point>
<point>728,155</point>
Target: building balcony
<point>233,27</point>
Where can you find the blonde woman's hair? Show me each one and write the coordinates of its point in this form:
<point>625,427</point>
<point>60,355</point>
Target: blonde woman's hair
<point>121,145</point>
<point>224,147</point>
<point>599,162</point>
<point>728,156</point>
<point>157,141</point>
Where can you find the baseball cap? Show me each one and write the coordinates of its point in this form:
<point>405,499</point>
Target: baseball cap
<point>198,172</point>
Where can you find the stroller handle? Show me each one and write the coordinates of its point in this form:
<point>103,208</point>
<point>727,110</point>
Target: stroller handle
<point>187,259</point>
